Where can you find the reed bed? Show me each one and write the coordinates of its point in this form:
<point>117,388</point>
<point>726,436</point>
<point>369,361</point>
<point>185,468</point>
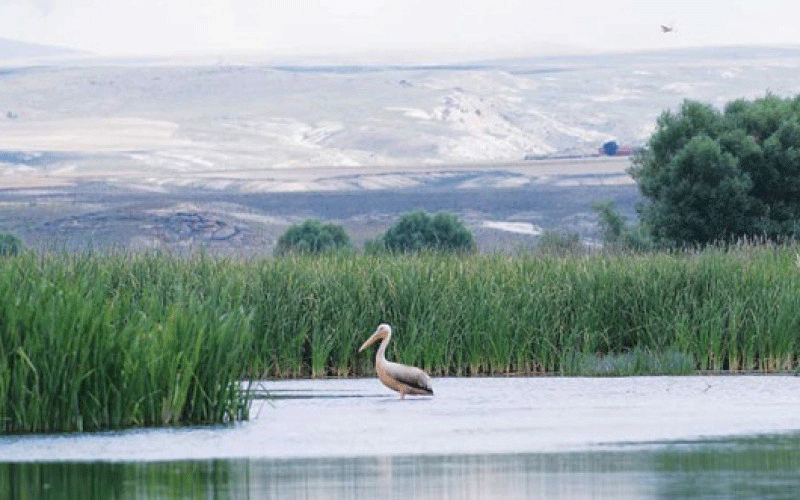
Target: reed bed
<point>99,342</point>
<point>109,341</point>
<point>713,310</point>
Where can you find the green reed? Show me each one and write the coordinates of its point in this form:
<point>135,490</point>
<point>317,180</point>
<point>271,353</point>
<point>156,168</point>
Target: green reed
<point>96,342</point>
<point>112,341</point>
<point>732,309</point>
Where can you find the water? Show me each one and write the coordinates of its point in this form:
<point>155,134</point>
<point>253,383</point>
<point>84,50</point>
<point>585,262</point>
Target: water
<point>549,438</point>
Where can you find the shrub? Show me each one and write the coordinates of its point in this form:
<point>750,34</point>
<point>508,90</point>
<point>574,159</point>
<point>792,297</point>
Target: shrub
<point>616,234</point>
<point>419,231</point>
<point>312,237</point>
<point>612,224</point>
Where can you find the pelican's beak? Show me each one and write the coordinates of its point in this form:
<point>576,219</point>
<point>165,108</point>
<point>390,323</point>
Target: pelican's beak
<point>369,341</point>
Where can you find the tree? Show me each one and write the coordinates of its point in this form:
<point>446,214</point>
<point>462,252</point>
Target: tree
<point>712,176</point>
<point>419,231</point>
<point>312,237</point>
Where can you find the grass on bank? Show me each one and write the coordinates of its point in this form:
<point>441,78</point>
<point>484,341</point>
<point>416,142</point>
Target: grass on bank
<point>723,310</point>
<point>110,341</point>
<point>97,342</point>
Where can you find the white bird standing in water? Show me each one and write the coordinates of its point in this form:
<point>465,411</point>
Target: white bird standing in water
<point>401,378</point>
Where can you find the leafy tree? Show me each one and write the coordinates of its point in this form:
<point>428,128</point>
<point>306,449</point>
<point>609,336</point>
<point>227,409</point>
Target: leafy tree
<point>419,231</point>
<point>312,237</point>
<point>10,245</point>
<point>711,176</point>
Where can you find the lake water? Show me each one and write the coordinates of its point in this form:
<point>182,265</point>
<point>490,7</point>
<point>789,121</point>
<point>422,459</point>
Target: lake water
<point>552,438</point>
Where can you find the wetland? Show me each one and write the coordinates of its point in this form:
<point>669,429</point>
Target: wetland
<point>698,437</point>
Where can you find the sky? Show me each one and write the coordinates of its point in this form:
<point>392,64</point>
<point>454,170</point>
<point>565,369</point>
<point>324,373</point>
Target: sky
<point>407,28</point>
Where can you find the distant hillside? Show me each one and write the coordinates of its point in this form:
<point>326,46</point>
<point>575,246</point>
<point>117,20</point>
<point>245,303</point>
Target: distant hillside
<point>13,49</point>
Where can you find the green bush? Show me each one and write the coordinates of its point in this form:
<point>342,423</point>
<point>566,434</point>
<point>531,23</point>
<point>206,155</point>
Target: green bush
<point>10,245</point>
<point>312,237</point>
<point>616,234</point>
<point>419,231</point>
<point>716,176</point>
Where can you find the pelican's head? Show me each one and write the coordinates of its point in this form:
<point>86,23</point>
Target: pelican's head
<point>382,332</point>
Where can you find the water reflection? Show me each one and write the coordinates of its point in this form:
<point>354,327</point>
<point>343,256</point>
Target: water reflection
<point>767,467</point>
<point>763,468</point>
<point>571,476</point>
<point>119,480</point>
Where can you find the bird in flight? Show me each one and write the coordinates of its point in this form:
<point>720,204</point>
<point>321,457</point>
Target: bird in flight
<point>667,28</point>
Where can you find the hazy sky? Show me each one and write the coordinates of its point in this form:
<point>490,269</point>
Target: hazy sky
<point>410,27</point>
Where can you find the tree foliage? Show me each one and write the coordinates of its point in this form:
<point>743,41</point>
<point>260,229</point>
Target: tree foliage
<point>312,237</point>
<point>714,175</point>
<point>419,231</point>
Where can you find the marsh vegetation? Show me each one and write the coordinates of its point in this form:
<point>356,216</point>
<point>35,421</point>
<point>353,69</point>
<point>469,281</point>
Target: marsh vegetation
<point>108,341</point>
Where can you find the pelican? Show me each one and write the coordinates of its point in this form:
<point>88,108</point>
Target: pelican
<point>401,378</point>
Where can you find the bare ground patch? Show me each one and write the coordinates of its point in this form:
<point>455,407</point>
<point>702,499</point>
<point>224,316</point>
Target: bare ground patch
<point>505,209</point>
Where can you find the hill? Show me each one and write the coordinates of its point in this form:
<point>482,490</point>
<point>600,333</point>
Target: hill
<point>14,49</point>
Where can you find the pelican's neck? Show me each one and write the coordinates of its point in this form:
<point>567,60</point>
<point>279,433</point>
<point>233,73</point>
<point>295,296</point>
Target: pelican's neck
<point>381,354</point>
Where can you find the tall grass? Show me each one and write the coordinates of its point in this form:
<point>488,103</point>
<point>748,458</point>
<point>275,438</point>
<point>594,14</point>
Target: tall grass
<point>110,341</point>
<point>733,309</point>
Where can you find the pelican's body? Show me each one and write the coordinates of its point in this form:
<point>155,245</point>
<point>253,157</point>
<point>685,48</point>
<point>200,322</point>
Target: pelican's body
<point>401,378</point>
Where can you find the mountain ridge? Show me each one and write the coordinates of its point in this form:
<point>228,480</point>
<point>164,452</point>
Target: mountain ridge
<point>17,49</point>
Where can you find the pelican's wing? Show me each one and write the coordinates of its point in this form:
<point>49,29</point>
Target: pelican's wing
<point>410,376</point>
